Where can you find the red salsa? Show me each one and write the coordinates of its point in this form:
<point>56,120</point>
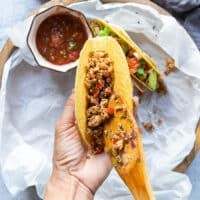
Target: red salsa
<point>60,38</point>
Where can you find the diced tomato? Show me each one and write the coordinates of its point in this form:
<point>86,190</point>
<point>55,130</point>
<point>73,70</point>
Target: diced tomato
<point>60,61</point>
<point>73,55</point>
<point>100,85</point>
<point>56,40</point>
<point>115,140</point>
<point>97,89</point>
<point>106,74</point>
<point>133,64</point>
<point>110,111</point>
<point>95,92</point>
<point>139,93</point>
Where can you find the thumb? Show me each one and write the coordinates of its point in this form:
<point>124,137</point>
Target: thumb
<point>67,118</point>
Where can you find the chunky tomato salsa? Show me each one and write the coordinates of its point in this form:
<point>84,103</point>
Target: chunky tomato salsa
<point>60,38</point>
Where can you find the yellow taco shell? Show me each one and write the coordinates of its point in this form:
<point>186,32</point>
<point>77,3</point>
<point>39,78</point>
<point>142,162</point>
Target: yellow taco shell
<point>133,172</point>
<point>122,81</point>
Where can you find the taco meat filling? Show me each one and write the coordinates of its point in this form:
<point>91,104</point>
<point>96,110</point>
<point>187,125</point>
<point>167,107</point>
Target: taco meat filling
<point>99,84</point>
<point>170,66</point>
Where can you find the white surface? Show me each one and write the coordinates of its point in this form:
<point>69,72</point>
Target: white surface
<point>12,11</point>
<point>175,183</point>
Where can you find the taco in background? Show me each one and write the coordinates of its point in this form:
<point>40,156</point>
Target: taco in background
<point>104,112</point>
<point>142,69</point>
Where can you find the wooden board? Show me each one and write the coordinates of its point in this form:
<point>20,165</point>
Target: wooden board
<point>9,48</point>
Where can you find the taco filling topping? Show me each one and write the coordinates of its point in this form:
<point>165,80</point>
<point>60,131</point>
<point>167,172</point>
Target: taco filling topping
<point>99,84</point>
<point>138,67</point>
<point>102,105</point>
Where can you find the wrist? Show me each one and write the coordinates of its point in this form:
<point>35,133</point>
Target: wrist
<point>64,186</point>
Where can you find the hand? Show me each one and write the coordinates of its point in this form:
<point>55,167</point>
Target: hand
<point>71,155</point>
<point>74,174</point>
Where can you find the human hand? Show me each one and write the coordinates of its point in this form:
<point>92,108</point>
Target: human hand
<point>71,165</point>
<point>71,155</point>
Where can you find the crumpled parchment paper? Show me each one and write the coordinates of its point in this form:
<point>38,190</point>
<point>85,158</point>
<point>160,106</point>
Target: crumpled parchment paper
<point>32,99</point>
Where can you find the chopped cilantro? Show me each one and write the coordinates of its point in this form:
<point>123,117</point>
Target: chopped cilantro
<point>140,71</point>
<point>72,45</point>
<point>110,152</point>
<point>115,164</point>
<point>142,62</point>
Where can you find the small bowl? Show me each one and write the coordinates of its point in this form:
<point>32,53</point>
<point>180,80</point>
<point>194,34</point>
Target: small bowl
<point>31,38</point>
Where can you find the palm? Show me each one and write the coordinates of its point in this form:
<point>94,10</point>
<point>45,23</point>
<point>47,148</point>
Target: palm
<point>71,154</point>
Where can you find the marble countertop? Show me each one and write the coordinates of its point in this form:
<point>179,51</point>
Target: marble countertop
<point>13,11</point>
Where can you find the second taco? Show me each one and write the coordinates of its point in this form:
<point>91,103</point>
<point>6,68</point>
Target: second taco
<point>141,67</point>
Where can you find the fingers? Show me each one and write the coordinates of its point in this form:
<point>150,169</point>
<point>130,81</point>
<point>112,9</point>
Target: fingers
<point>103,166</point>
<point>104,158</point>
<point>68,116</point>
<point>94,171</point>
<point>136,103</point>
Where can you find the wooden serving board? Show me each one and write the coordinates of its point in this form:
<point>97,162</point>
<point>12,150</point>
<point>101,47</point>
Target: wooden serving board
<point>9,48</point>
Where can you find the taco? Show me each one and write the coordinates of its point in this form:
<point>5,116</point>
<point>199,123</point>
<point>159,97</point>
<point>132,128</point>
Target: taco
<point>103,109</point>
<point>141,67</point>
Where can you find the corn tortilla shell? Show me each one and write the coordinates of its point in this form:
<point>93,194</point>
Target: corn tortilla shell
<point>134,173</point>
<point>122,80</point>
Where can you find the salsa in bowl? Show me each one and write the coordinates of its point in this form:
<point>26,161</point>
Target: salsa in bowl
<point>57,36</point>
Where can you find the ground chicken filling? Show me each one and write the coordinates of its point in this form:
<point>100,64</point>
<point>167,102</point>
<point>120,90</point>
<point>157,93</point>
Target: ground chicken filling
<point>99,83</point>
<point>124,136</point>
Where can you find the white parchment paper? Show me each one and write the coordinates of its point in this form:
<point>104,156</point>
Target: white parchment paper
<point>32,99</point>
